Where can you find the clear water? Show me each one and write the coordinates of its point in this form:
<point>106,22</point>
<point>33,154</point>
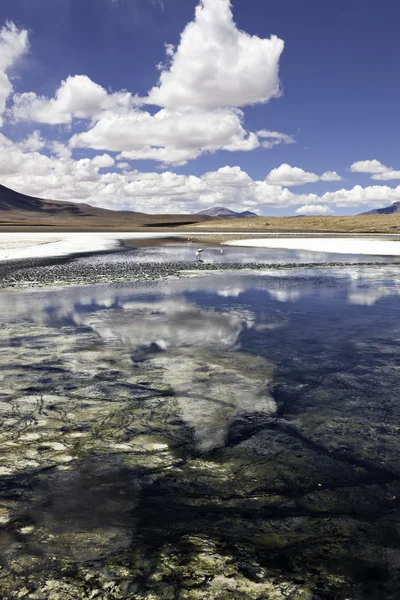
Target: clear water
<point>182,252</point>
<point>216,435</point>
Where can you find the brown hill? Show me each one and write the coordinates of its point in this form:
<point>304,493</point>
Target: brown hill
<point>16,205</point>
<point>387,210</point>
<point>372,223</point>
<point>21,211</point>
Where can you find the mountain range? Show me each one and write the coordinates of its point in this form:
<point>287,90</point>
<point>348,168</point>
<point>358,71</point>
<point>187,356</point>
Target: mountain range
<point>16,204</point>
<point>387,210</point>
<point>220,212</point>
<point>18,209</point>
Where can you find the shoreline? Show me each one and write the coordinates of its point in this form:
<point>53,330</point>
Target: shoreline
<point>44,274</point>
<point>17,246</point>
<point>329,245</point>
<point>42,271</point>
<point>129,222</point>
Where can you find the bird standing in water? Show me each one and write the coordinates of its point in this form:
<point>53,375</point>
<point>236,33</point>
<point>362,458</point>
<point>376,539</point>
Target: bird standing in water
<point>198,254</point>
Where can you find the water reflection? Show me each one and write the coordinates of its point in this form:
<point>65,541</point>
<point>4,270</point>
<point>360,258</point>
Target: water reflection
<point>219,433</point>
<point>368,295</point>
<point>193,348</point>
<point>213,253</point>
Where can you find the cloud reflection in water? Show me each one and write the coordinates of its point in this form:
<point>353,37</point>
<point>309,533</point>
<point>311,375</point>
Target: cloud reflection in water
<point>198,354</point>
<point>213,383</point>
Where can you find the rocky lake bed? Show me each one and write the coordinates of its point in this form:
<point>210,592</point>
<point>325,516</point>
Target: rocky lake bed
<point>221,430</point>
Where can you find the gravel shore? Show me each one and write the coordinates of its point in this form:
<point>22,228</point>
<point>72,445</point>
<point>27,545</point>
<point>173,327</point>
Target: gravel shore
<point>67,271</point>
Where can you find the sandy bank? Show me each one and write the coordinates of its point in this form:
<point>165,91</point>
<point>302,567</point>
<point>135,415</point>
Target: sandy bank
<point>20,246</point>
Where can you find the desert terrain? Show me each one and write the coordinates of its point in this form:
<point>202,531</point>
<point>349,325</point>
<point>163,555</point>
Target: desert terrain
<point>20,213</point>
<point>344,224</point>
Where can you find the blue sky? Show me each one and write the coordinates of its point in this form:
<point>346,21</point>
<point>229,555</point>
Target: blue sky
<point>87,118</point>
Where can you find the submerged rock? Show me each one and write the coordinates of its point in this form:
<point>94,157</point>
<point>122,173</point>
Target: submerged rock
<point>148,453</point>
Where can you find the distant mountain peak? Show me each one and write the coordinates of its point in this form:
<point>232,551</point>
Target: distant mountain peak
<point>387,210</point>
<point>221,212</point>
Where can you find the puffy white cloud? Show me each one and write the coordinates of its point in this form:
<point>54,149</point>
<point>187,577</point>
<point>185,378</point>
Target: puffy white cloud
<point>274,138</point>
<point>60,149</point>
<point>288,176</point>
<point>330,176</point>
<point>13,45</point>
<point>278,196</point>
<point>170,192</point>
<point>58,176</point>
<point>368,166</point>
<point>387,176</point>
<point>217,65</point>
<point>61,177</point>
<point>103,162</point>
<point>378,171</point>
<point>215,69</point>
<point>168,136</point>
<point>314,209</point>
<point>77,97</point>
<point>374,195</point>
<point>15,161</point>
<point>33,142</point>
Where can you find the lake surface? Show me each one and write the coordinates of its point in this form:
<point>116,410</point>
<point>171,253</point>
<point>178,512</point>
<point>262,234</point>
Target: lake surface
<point>232,435</point>
<point>185,252</point>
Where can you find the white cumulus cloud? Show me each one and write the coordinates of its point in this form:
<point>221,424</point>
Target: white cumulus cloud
<point>77,97</point>
<point>217,65</point>
<point>212,73</point>
<point>330,176</point>
<point>289,176</point>
<point>373,195</point>
<point>61,177</point>
<point>274,138</point>
<point>33,142</point>
<point>314,209</point>
<point>215,70</point>
<point>387,176</point>
<point>13,45</point>
<point>103,162</point>
<point>368,166</point>
<point>168,136</point>
<point>378,171</point>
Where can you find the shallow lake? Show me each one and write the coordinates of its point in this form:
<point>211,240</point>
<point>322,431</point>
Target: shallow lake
<point>232,435</point>
<point>212,253</point>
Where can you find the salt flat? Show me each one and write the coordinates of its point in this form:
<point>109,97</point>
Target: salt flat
<point>19,246</point>
<point>14,246</point>
<point>335,245</point>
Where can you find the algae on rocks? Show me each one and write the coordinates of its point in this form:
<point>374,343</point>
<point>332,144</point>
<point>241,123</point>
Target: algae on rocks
<point>143,456</point>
